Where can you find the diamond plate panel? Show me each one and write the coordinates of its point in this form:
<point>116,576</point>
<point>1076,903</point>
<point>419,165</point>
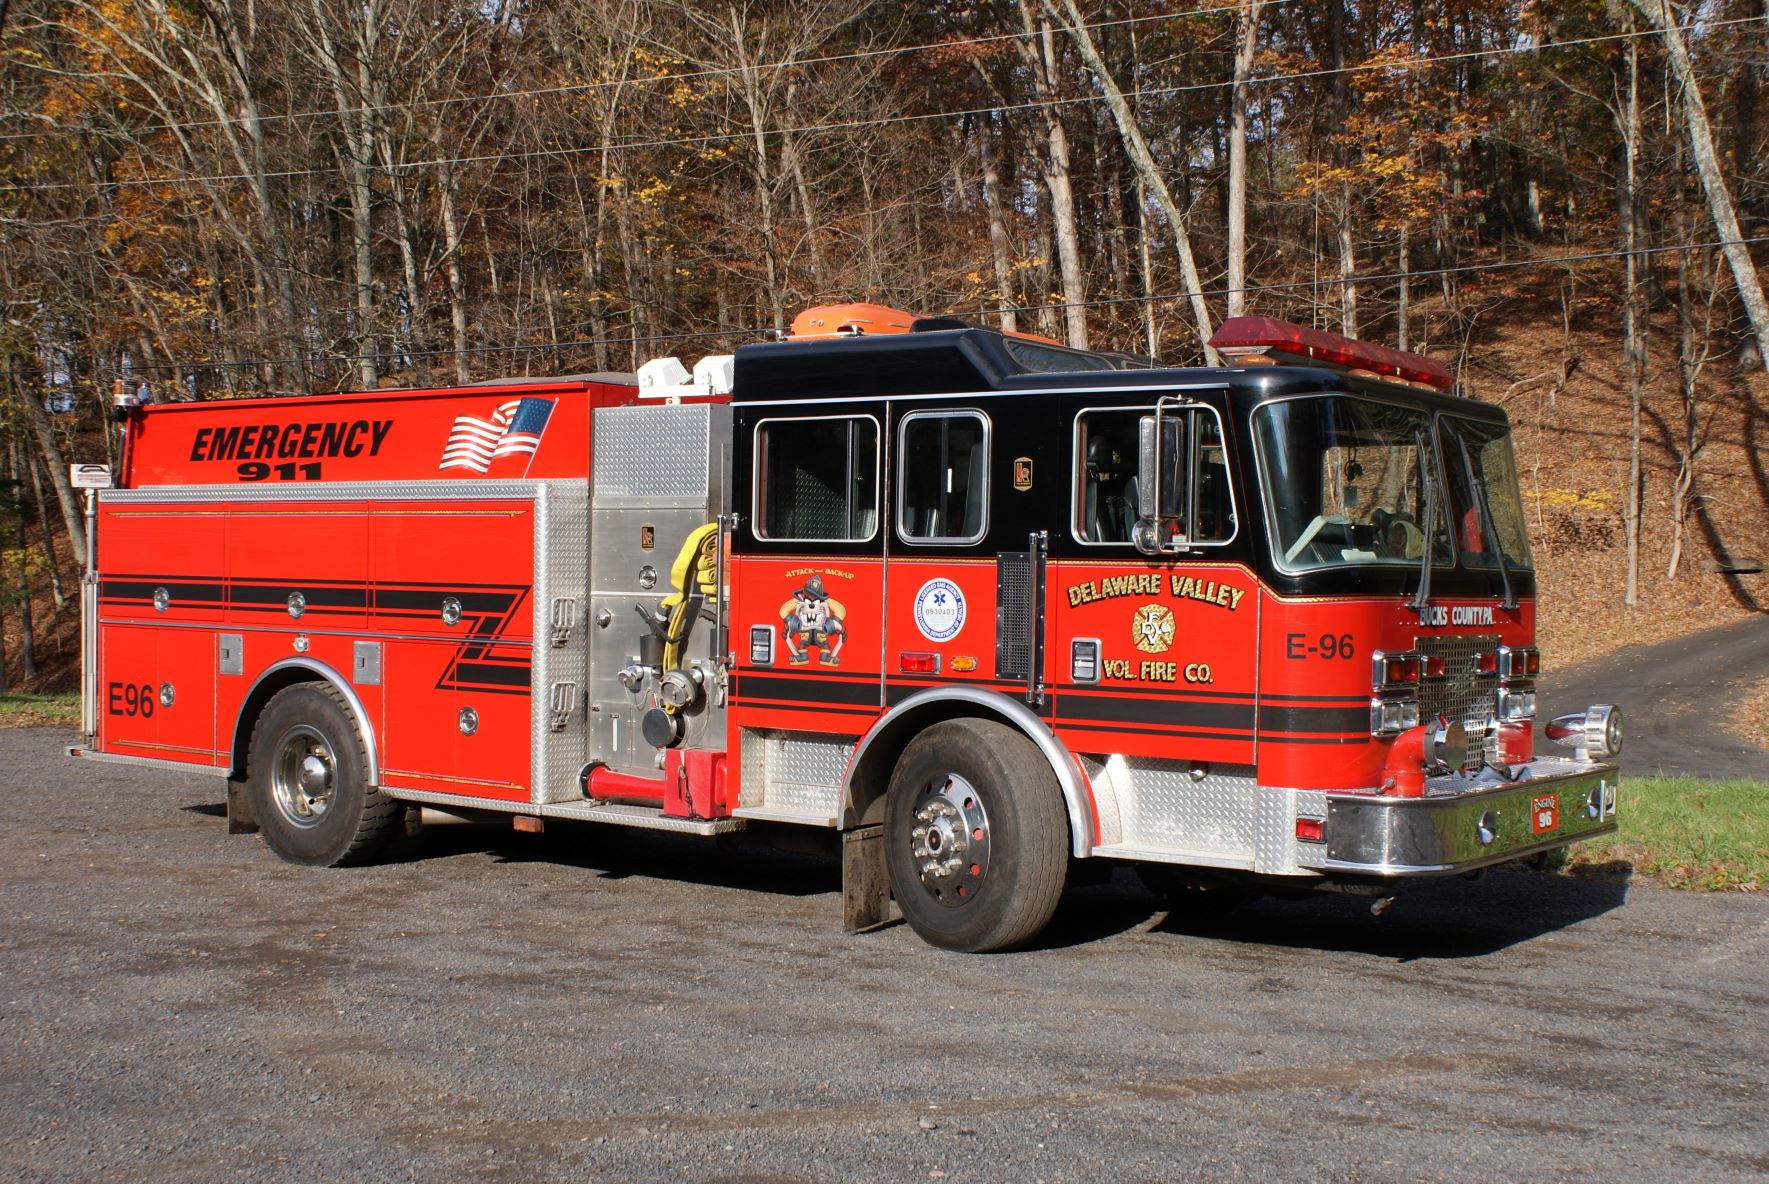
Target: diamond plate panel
<point>561,568</point>
<point>793,773</point>
<point>1164,807</point>
<point>660,455</point>
<point>1103,778</point>
<point>1276,851</point>
<point>1462,696</point>
<point>1310,803</point>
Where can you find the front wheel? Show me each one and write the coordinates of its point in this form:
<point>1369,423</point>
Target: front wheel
<point>307,775</point>
<point>976,836</point>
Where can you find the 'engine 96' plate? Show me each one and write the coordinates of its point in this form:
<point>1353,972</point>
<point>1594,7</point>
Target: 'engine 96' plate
<point>1544,814</point>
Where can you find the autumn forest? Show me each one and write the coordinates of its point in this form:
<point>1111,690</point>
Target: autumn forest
<point>1566,201</point>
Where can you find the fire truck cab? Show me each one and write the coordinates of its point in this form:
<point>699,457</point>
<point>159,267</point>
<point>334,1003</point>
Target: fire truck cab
<point>980,603</point>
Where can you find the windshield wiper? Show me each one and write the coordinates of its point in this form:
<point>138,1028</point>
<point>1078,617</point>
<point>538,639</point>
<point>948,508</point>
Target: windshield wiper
<point>1489,527</point>
<point>1421,603</point>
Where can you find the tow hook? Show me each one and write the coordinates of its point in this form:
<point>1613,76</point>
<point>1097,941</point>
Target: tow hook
<point>1380,905</point>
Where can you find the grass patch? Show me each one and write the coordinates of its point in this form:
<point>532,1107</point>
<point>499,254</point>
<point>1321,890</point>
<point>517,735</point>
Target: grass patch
<point>1710,836</point>
<point>37,711</point>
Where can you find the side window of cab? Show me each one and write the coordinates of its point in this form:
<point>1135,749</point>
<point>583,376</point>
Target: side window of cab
<point>816,480</point>
<point>1109,493</point>
<point>943,477</point>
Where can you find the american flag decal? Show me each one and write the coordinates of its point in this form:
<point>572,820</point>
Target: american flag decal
<point>514,429</point>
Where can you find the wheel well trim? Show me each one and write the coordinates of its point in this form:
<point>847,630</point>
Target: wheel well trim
<point>1076,799</point>
<point>324,673</point>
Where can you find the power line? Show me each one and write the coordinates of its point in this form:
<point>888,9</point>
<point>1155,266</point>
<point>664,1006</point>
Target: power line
<point>881,121</point>
<point>710,72</point>
<point>1103,302</point>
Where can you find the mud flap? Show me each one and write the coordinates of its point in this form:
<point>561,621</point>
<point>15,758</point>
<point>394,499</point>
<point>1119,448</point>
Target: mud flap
<point>866,886</point>
<point>240,818</point>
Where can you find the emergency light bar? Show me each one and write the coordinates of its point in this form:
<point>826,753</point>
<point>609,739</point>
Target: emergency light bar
<point>1281,341</point>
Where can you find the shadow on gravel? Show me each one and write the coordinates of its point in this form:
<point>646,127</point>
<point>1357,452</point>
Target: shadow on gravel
<point>1433,919</point>
<point>616,854</point>
<point>207,809</point>
<point>1448,918</point>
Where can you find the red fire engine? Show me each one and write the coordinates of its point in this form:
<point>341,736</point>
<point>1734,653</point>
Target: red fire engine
<point>979,603</point>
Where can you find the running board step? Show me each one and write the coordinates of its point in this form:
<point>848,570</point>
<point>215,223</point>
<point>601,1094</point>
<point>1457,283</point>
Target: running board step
<point>644,817</point>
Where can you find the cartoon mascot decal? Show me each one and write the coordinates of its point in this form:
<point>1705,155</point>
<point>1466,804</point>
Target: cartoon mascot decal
<point>812,618</point>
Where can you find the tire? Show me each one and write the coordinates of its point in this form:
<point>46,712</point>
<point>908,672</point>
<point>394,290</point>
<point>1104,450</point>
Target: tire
<point>976,837</point>
<point>307,776</point>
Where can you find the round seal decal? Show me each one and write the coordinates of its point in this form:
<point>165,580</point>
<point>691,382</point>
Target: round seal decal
<point>939,610</point>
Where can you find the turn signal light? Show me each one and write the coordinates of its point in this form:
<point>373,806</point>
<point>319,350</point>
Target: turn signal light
<point>1517,662</point>
<point>1486,663</point>
<point>1435,667</point>
<point>1394,670</point>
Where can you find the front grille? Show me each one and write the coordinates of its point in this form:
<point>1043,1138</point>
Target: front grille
<point>1462,696</point>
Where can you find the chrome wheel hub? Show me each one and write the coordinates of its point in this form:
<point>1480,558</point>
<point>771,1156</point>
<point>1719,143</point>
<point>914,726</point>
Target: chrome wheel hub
<point>302,776</point>
<point>949,840</point>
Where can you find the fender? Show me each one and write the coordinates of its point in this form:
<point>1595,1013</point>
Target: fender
<point>1076,797</point>
<point>327,674</point>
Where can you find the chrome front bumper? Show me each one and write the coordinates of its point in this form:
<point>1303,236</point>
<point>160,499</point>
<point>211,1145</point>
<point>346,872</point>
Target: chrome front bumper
<point>1551,804</point>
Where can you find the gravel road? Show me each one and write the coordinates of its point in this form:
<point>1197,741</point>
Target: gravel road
<point>604,1005</point>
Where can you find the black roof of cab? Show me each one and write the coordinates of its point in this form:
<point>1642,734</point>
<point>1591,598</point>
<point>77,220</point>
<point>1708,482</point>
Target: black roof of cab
<point>958,361</point>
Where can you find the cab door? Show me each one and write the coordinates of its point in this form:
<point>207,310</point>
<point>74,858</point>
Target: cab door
<point>1154,652</point>
<point>808,582</point>
<point>942,621</point>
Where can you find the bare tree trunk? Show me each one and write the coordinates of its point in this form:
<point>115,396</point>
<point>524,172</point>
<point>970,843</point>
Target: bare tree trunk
<point>1247,31</point>
<point>1627,113</point>
<point>1137,148</point>
<point>53,460</point>
<point>451,266</point>
<point>416,307</point>
<point>1689,366</point>
<point>1403,303</point>
<point>1000,245</point>
<point>27,640</point>
<point>356,156</point>
<point>1145,266</point>
<point>795,166</point>
<point>1341,103</point>
<point>1039,50</point>
<point>1663,19</point>
<point>35,464</point>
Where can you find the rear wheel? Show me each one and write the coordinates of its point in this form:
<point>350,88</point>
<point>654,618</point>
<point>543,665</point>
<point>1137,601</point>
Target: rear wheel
<point>307,775</point>
<point>976,836</point>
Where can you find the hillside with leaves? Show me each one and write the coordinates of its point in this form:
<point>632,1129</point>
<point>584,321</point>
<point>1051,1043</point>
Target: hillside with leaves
<point>206,199</point>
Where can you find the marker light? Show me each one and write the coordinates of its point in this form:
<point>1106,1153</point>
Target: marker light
<point>1282,341</point>
<point>911,662</point>
<point>1394,670</point>
<point>1516,662</point>
<point>1084,659</point>
<point>1435,667</point>
<point>1486,662</point>
<point>1311,830</point>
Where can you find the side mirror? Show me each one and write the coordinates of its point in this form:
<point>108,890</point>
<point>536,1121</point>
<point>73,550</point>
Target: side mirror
<point>1159,484</point>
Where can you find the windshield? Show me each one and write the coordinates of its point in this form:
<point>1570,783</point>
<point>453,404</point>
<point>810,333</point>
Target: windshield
<point>1479,454</point>
<point>1343,483</point>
